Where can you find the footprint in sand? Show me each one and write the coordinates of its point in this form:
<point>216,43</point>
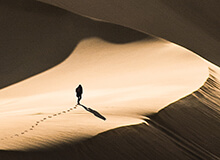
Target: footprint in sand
<point>37,122</point>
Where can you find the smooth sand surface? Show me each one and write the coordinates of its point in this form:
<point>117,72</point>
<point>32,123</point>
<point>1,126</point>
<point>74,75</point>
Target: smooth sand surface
<point>160,100</point>
<point>36,36</point>
<point>185,129</point>
<point>193,24</point>
<point>120,82</point>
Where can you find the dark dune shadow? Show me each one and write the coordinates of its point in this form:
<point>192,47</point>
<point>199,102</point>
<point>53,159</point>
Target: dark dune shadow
<point>125,143</point>
<point>35,37</point>
<point>94,112</point>
<point>196,117</point>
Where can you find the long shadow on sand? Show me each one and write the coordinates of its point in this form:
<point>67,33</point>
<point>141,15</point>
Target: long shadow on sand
<point>97,114</point>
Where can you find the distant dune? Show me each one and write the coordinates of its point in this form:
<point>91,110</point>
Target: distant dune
<point>193,24</point>
<point>35,37</point>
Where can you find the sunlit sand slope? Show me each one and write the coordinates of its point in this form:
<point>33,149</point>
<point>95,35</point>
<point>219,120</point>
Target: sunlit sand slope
<point>123,82</point>
<point>186,129</point>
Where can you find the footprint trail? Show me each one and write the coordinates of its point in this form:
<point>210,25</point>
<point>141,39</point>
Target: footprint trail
<point>38,123</point>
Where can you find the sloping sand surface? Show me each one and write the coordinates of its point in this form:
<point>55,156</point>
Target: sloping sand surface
<point>36,36</point>
<point>134,102</point>
<point>196,117</point>
<point>186,129</point>
<point>132,142</point>
<point>120,82</point>
<point>193,24</point>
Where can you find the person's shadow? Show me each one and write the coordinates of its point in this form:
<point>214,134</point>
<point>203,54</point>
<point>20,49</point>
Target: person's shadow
<point>94,112</point>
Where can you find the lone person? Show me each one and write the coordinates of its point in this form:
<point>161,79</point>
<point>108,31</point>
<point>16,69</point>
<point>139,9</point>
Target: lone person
<point>79,91</point>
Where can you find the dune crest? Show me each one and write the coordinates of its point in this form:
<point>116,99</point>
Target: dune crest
<point>192,24</point>
<point>120,82</point>
<point>144,97</point>
<point>181,126</point>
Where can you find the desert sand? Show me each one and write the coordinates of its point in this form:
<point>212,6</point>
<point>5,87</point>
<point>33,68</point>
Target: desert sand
<point>193,24</point>
<point>119,81</point>
<point>160,100</point>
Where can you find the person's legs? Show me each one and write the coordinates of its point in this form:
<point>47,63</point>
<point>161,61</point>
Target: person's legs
<point>78,101</point>
<point>79,98</point>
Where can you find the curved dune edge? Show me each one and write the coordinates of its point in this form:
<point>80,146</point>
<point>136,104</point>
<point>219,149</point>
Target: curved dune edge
<point>123,101</point>
<point>190,127</point>
<point>28,49</point>
<point>185,129</point>
<point>91,148</point>
<point>193,24</point>
<point>196,118</point>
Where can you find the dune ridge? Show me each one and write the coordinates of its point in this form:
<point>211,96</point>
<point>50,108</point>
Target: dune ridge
<point>197,116</point>
<point>185,129</point>
<point>36,37</point>
<point>180,123</point>
<point>193,24</point>
<point>122,101</point>
<point>190,127</point>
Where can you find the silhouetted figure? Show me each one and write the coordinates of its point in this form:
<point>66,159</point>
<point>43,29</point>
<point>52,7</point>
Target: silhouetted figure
<point>79,91</point>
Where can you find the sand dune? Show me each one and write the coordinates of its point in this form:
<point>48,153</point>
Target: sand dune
<point>193,24</point>
<point>144,98</point>
<point>196,117</point>
<point>120,82</point>
<point>186,129</point>
<point>35,37</point>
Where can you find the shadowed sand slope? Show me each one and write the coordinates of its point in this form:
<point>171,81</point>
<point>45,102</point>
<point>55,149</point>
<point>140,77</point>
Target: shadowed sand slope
<point>132,142</point>
<point>193,24</point>
<point>35,37</point>
<point>186,129</point>
<point>196,117</point>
